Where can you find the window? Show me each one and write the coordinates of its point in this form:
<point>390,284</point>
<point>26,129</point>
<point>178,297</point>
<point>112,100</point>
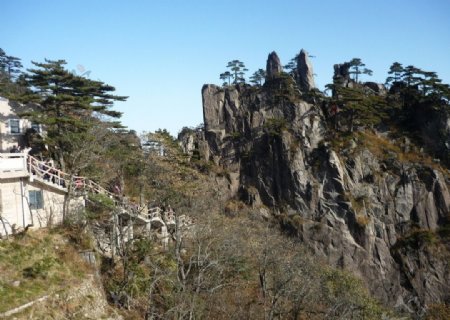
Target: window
<point>35,198</point>
<point>14,126</point>
<point>36,127</point>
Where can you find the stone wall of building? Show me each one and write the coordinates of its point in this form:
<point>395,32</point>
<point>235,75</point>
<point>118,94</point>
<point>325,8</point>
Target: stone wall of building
<point>16,209</point>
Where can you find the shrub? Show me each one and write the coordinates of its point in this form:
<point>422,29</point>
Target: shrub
<point>40,268</point>
<point>233,207</point>
<point>444,232</point>
<point>416,239</point>
<point>439,311</point>
<point>235,135</point>
<point>275,126</point>
<point>101,200</point>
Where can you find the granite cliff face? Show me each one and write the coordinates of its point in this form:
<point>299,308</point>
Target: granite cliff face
<point>358,205</point>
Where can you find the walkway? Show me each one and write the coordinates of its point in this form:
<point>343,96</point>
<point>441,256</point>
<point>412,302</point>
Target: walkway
<point>18,165</point>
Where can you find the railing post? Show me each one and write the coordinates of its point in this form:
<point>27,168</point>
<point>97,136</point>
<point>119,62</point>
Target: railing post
<point>30,167</point>
<point>24,161</point>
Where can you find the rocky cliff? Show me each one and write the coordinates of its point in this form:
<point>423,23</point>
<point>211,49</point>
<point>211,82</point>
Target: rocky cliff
<point>363,202</point>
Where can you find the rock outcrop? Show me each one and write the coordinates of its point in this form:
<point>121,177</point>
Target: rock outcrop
<point>305,72</point>
<point>273,67</point>
<point>377,88</point>
<point>358,207</point>
<point>342,75</point>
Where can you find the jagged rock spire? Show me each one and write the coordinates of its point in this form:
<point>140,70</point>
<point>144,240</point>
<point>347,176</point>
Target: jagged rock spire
<point>305,72</point>
<point>274,67</point>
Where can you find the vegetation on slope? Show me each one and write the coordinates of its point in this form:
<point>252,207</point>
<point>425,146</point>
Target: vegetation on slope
<point>228,265</point>
<point>35,264</point>
<point>225,267</point>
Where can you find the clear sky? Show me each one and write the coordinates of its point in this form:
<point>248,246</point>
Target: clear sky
<point>160,53</point>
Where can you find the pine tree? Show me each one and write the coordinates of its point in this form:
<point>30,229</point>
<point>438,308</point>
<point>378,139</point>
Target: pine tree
<point>67,105</point>
<point>226,76</point>
<point>357,107</point>
<point>237,70</point>
<point>2,61</point>
<point>357,68</point>
<point>13,66</point>
<point>11,76</point>
<point>411,76</point>
<point>9,65</point>
<point>395,71</point>
<point>258,77</point>
<point>291,67</point>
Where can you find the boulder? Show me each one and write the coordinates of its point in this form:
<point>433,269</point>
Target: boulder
<point>377,88</point>
<point>341,75</point>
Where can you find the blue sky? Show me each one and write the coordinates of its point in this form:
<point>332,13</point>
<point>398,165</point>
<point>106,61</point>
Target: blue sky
<point>160,53</point>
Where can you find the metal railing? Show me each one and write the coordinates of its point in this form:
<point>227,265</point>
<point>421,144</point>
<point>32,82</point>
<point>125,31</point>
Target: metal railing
<point>47,173</point>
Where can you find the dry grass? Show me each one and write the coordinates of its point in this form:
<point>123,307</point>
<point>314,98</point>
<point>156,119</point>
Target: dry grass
<point>358,204</point>
<point>377,145</point>
<point>362,220</point>
<point>381,147</point>
<point>233,207</point>
<point>438,311</point>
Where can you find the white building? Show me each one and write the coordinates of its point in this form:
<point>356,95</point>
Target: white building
<point>13,128</point>
<point>32,193</point>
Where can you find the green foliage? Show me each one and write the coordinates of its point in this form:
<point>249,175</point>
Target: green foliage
<point>275,126</point>
<point>236,135</point>
<point>102,199</point>
<point>417,86</point>
<point>139,273</point>
<point>165,135</point>
<point>292,65</point>
<point>258,77</point>
<point>125,163</point>
<point>41,262</point>
<point>395,71</point>
<point>40,268</point>
<point>416,239</point>
<point>12,83</point>
<point>236,73</point>
<point>9,66</point>
<point>356,68</point>
<point>191,130</point>
<point>358,107</point>
<point>418,98</point>
<point>99,206</point>
<point>226,76</point>
<point>354,300</point>
<point>68,106</point>
<point>282,90</point>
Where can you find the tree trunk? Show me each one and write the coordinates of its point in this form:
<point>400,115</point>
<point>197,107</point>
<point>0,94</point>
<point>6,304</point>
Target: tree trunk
<point>352,117</point>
